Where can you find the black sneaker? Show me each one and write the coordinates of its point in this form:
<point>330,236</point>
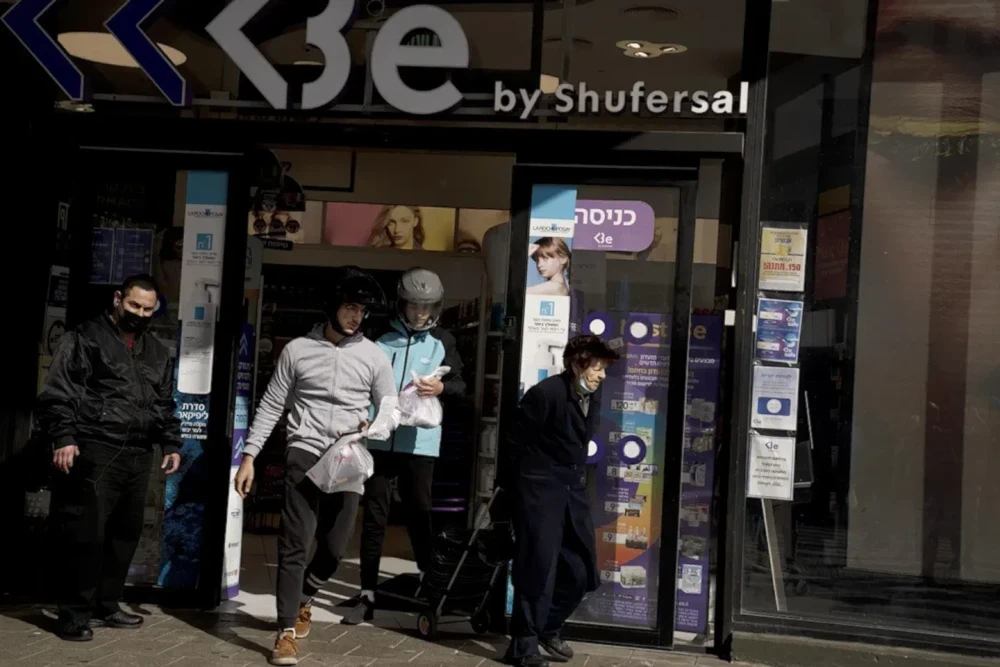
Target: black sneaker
<point>362,612</point>
<point>74,631</point>
<point>558,650</point>
<point>121,620</point>
<point>535,660</point>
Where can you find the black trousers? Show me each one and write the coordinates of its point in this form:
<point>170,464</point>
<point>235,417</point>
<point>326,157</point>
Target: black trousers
<point>554,563</point>
<point>309,513</point>
<point>415,475</point>
<point>99,515</point>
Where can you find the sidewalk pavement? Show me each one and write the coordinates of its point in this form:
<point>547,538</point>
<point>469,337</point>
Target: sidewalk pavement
<point>203,639</point>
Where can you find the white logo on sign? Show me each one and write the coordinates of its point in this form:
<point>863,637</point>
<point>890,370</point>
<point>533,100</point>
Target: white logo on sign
<point>387,56</point>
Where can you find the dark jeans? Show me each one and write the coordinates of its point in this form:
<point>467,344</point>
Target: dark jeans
<point>416,476</point>
<point>308,513</point>
<point>99,514</point>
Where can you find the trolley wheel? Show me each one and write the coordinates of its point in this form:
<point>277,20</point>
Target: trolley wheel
<point>427,624</point>
<point>481,622</point>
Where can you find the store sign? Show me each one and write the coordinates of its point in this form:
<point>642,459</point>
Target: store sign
<point>570,99</point>
<point>416,36</point>
<point>613,226</point>
<point>390,51</point>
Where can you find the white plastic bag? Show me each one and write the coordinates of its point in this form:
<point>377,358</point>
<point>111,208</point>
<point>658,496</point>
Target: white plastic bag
<point>386,420</point>
<point>345,467</point>
<point>421,411</point>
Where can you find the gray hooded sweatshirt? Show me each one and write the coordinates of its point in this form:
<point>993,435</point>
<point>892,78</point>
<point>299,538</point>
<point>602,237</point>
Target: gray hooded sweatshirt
<point>327,389</point>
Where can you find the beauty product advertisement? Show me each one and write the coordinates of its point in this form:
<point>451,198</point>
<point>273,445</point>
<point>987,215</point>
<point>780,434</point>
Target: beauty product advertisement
<point>201,280</point>
<point>698,476</point>
<point>779,330</point>
<point>629,447</point>
<point>399,225</point>
<point>547,301</point>
<point>783,259</point>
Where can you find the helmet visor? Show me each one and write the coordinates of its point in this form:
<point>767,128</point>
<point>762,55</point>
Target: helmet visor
<point>419,315</point>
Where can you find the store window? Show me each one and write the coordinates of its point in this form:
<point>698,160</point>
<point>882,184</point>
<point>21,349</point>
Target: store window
<point>890,169</point>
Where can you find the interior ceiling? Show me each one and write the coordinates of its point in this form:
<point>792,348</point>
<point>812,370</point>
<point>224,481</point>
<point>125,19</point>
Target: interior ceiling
<point>500,38</point>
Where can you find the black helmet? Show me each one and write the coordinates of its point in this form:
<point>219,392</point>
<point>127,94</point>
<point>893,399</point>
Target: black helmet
<point>420,287</point>
<point>352,285</point>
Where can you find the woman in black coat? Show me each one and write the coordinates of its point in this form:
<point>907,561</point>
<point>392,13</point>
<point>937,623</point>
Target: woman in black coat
<point>555,564</point>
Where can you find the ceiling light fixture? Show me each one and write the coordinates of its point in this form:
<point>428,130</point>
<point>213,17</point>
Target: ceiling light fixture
<point>307,63</point>
<point>634,48</point>
<point>104,49</point>
<point>548,84</point>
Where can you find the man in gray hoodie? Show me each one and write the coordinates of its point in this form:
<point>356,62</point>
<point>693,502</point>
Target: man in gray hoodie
<point>327,380</point>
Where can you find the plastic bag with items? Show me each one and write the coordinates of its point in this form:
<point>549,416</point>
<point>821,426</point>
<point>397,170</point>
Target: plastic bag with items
<point>421,411</point>
<point>345,467</point>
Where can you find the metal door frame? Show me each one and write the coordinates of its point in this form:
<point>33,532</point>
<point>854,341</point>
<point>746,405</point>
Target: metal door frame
<point>683,177</point>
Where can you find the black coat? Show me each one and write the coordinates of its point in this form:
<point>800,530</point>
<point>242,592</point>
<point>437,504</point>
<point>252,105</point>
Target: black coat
<point>547,473</point>
<point>99,390</point>
<point>551,427</point>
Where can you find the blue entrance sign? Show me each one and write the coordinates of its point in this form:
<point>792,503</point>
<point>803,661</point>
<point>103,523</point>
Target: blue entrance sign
<point>22,19</point>
<point>126,25</point>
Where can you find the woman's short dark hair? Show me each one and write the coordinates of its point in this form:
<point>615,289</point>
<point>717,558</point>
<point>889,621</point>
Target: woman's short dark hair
<point>582,351</point>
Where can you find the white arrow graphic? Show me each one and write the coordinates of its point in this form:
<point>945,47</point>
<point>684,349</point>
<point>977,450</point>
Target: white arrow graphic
<point>227,30</point>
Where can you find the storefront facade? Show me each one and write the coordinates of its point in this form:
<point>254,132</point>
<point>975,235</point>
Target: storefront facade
<point>730,224</point>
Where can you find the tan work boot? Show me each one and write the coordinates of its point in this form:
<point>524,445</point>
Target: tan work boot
<point>304,622</point>
<point>286,649</point>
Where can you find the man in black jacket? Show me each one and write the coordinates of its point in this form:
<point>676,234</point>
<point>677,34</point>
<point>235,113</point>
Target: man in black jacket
<point>555,564</point>
<point>108,398</point>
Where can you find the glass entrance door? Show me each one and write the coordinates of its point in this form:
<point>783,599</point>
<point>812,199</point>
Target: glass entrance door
<point>611,252</point>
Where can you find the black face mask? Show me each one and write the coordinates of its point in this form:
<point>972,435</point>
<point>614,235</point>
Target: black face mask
<point>131,322</point>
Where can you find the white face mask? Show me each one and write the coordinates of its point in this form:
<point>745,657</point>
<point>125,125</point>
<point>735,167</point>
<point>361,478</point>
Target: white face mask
<point>587,391</point>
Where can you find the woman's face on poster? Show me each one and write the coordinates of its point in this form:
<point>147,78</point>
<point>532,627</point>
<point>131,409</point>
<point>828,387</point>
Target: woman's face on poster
<point>401,223</point>
<point>56,332</point>
<point>550,264</point>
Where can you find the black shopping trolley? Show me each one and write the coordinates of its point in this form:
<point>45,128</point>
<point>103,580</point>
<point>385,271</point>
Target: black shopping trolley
<point>464,567</point>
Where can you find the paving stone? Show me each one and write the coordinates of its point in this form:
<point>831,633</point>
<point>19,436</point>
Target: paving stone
<point>197,639</point>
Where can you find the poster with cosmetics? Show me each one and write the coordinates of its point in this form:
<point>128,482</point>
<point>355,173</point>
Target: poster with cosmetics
<point>628,451</point>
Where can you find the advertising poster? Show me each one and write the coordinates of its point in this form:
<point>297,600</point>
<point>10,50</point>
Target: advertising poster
<point>473,223</point>
<point>771,469</point>
<point>629,447</point>
<point>547,301</point>
<point>241,426</point>
<point>55,320</point>
<point>775,398</point>
<point>783,259</point>
<point>698,477</point>
<point>779,329</point>
<point>201,279</point>
<point>401,226</point>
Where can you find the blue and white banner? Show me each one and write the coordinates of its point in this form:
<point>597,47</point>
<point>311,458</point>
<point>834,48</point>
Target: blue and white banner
<point>201,281</point>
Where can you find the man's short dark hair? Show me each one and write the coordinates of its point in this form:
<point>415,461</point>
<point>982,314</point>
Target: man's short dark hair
<point>140,280</point>
<point>582,351</point>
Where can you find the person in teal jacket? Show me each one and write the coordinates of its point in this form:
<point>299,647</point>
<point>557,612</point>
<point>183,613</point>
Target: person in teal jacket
<point>414,343</point>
